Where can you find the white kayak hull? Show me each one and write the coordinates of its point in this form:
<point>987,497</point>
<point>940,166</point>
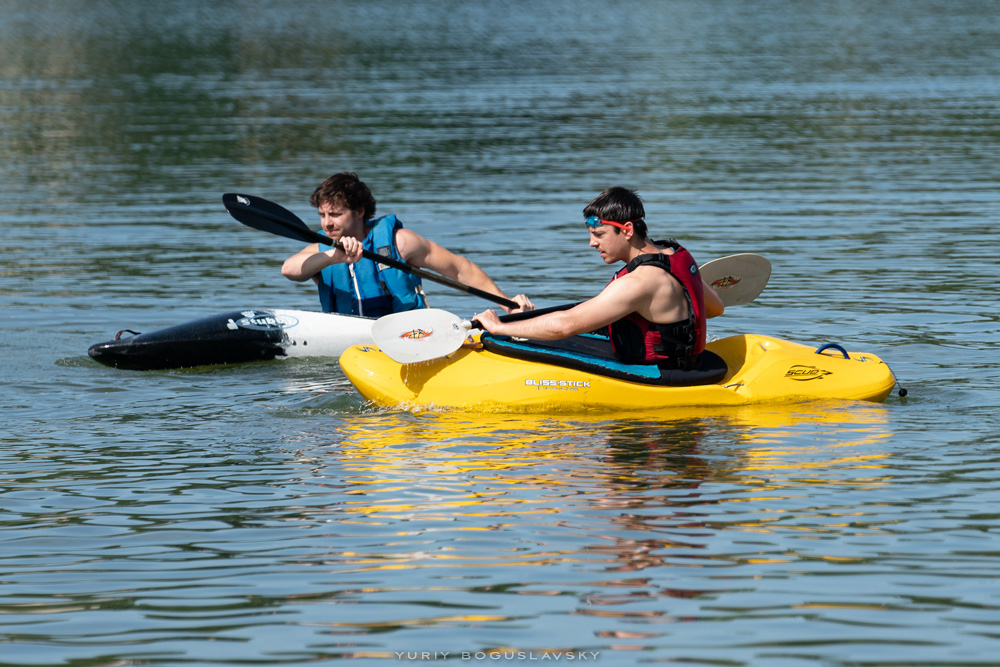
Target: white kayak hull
<point>252,334</point>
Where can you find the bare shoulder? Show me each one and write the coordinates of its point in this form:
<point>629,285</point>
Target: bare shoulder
<point>409,242</point>
<point>652,285</point>
<point>632,285</point>
<point>651,275</point>
<point>421,251</point>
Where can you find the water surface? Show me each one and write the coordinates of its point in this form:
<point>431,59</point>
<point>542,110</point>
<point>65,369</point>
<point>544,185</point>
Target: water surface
<point>264,514</point>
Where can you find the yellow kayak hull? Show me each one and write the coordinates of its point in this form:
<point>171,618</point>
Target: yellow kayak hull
<point>760,370</point>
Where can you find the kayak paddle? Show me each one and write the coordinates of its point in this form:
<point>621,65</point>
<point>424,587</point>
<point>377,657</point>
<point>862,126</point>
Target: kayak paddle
<point>430,333</point>
<point>737,279</point>
<point>420,335</point>
<point>270,217</point>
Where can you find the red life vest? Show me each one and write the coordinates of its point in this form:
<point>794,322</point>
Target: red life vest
<point>637,340</point>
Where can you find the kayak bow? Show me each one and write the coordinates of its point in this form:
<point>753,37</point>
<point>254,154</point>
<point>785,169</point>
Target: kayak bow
<point>252,334</point>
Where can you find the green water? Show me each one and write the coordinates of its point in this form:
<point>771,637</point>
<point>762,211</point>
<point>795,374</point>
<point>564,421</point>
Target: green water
<point>263,514</point>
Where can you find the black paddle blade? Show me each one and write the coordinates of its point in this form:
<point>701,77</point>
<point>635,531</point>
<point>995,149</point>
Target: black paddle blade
<point>270,217</point>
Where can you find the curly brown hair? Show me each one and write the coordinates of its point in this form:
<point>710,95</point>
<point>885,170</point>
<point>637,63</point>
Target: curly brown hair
<point>347,189</point>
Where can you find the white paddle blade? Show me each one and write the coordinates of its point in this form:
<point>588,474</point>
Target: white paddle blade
<point>419,335</point>
<point>737,279</point>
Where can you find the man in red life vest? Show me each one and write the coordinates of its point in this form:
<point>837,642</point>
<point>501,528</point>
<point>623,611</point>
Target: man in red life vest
<point>654,308</point>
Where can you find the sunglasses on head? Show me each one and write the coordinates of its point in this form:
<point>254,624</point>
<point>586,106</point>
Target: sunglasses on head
<point>594,221</point>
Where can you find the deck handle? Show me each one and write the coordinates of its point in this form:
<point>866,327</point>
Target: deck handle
<point>833,346</point>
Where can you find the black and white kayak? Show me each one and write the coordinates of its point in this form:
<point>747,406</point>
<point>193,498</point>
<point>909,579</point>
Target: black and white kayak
<point>254,334</point>
<point>258,334</point>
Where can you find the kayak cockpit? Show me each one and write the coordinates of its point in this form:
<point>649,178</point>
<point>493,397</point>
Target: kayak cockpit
<point>592,353</point>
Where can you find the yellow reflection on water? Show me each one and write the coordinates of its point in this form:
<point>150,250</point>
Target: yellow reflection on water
<point>455,490</point>
<point>482,463</point>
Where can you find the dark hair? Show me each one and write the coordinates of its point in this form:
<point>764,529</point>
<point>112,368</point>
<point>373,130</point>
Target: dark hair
<point>619,204</point>
<point>347,189</point>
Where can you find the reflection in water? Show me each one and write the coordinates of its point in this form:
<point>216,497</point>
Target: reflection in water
<point>670,501</point>
<point>387,522</point>
<point>501,504</point>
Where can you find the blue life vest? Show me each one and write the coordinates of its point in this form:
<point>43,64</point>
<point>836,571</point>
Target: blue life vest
<point>374,289</point>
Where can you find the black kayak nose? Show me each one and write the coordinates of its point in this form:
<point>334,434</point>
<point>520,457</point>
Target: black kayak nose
<point>104,353</point>
<point>208,341</point>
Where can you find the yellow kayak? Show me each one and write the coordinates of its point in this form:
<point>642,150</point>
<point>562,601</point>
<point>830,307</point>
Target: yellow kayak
<point>502,375</point>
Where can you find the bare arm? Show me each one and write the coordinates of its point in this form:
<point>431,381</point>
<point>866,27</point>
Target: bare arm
<point>309,261</point>
<point>617,300</point>
<point>713,302</point>
<point>426,254</point>
<point>628,294</point>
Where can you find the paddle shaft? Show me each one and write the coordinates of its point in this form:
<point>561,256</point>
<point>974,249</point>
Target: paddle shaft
<point>428,333</point>
<point>528,314</point>
<point>757,275</point>
<point>307,235</point>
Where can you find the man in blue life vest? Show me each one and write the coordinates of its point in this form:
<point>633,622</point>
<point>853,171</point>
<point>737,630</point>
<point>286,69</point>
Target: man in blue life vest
<point>654,309</point>
<point>352,285</point>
